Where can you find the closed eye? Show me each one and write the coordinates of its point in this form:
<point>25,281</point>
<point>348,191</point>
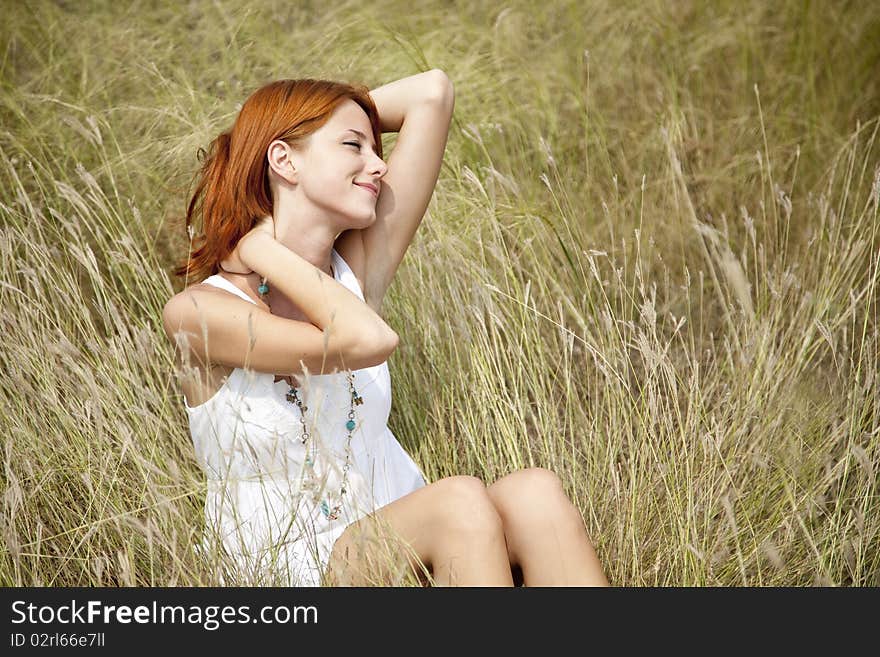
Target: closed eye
<point>353,143</point>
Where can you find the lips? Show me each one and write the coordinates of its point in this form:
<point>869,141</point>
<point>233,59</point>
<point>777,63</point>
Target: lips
<point>370,188</point>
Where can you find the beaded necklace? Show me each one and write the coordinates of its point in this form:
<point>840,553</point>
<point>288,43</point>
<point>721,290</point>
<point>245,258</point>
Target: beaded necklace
<point>311,479</point>
<point>292,396</point>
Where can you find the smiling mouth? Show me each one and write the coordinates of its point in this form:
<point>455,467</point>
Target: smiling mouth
<point>369,189</point>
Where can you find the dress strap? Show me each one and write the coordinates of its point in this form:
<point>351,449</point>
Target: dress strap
<point>345,275</point>
<point>218,281</point>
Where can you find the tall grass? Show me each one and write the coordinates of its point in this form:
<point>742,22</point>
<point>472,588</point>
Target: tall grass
<point>651,264</point>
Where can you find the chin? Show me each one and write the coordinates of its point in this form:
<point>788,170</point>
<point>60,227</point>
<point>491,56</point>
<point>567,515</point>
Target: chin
<point>356,220</point>
<point>368,220</point>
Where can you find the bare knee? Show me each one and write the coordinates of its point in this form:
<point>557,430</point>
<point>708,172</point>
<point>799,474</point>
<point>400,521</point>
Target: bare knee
<point>540,477</point>
<point>455,514</point>
<point>467,512</point>
<point>536,492</point>
<point>530,482</point>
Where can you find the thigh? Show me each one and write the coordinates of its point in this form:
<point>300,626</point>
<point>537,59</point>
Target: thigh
<point>395,544</point>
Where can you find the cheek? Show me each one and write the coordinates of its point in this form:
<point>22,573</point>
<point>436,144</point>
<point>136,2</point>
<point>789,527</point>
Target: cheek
<point>328,185</point>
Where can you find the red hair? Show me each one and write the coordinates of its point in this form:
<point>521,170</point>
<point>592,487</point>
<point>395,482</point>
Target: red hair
<point>233,190</point>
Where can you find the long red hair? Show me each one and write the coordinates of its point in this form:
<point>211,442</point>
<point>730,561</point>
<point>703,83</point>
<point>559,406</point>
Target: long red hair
<point>233,191</point>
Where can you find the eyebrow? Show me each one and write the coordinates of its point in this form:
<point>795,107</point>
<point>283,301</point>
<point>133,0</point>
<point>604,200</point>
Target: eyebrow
<point>362,136</point>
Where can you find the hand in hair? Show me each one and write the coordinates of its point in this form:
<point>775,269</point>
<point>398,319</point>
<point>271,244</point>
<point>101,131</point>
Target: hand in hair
<point>236,262</point>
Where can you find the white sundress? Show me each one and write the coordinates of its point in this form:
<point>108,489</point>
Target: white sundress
<point>247,441</point>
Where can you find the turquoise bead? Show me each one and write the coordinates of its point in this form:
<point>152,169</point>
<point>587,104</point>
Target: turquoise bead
<point>325,507</point>
<point>350,425</point>
<point>263,289</point>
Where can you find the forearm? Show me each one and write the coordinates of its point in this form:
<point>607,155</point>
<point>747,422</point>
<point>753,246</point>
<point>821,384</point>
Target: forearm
<point>393,100</point>
<point>325,301</point>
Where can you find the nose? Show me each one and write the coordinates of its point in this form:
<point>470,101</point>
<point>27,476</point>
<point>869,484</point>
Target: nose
<point>377,166</point>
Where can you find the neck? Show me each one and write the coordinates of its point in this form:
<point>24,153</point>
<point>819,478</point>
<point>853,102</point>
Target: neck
<point>317,251</point>
<point>308,232</point>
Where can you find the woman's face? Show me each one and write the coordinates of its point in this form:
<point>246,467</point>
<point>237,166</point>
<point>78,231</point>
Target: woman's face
<point>337,158</point>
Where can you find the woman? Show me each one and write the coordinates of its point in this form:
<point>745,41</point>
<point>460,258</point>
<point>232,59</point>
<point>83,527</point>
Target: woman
<point>284,355</point>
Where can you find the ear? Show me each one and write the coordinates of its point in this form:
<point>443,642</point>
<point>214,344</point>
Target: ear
<point>280,158</point>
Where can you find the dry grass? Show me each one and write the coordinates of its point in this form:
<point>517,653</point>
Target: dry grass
<point>655,236</point>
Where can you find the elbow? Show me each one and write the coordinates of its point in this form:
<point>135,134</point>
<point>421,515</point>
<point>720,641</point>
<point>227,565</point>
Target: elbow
<point>377,351</point>
<point>389,344</point>
<point>443,90</point>
<point>393,341</point>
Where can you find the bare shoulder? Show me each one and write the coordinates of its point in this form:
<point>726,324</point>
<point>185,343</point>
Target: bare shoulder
<point>186,307</point>
<point>200,291</point>
<point>184,318</point>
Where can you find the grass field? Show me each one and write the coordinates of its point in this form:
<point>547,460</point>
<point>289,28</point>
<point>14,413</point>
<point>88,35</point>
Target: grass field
<point>651,264</point>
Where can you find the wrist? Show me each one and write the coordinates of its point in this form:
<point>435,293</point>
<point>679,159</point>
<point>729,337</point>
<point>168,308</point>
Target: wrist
<point>254,250</point>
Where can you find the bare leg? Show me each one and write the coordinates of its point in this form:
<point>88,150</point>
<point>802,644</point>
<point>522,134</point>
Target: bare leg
<point>450,526</point>
<point>545,532</point>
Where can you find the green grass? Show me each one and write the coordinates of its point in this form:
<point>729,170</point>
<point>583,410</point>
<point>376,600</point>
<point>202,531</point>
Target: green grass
<point>655,232</point>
